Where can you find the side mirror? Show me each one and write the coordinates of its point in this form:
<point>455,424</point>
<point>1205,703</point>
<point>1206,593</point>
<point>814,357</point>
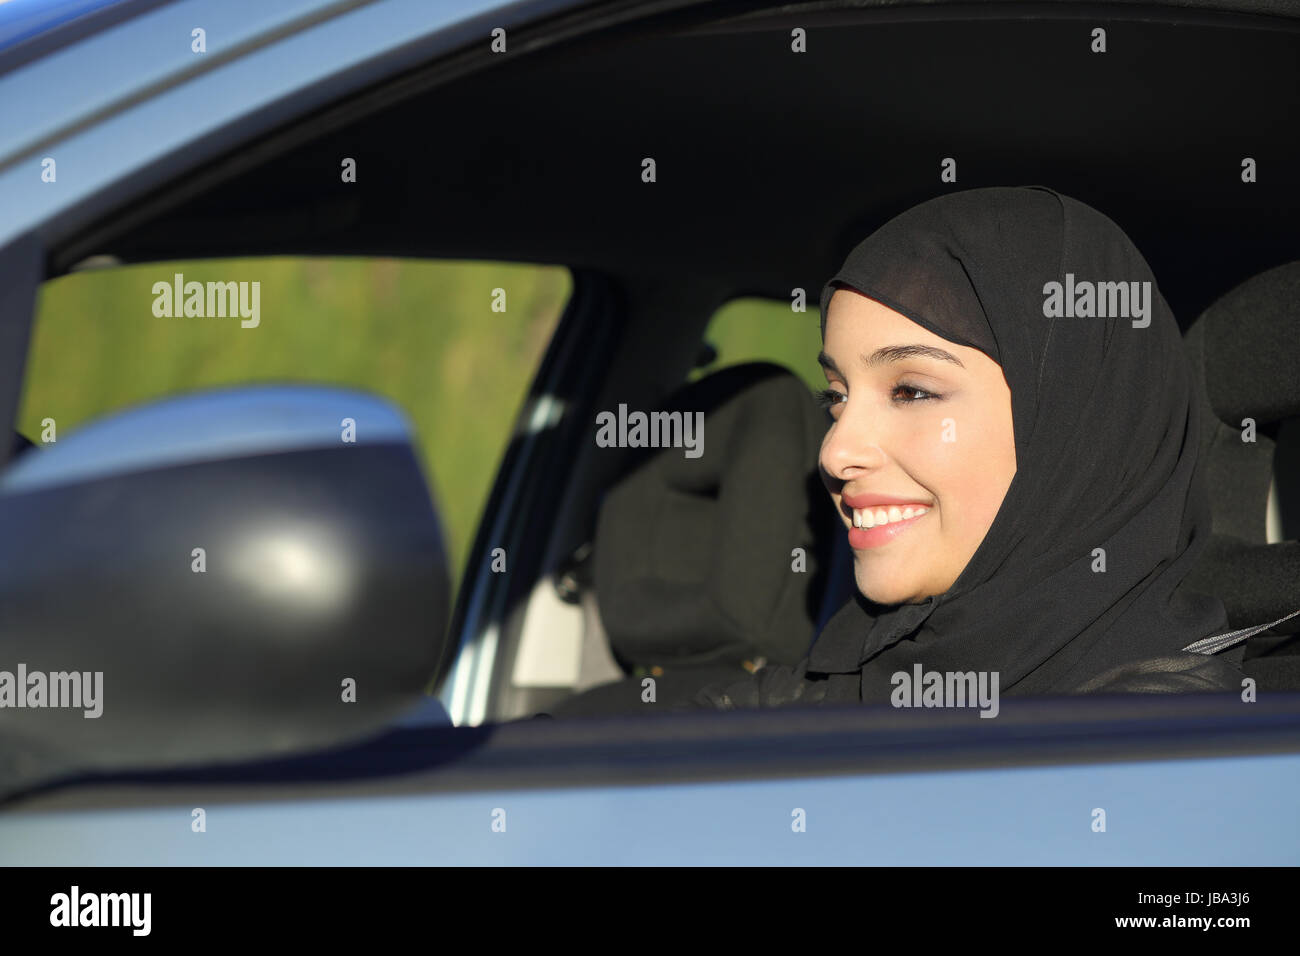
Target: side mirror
<point>224,576</point>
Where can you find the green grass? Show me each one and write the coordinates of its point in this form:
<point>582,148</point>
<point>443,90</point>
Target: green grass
<point>419,333</point>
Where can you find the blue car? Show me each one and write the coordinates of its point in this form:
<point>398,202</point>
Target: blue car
<point>239,604</point>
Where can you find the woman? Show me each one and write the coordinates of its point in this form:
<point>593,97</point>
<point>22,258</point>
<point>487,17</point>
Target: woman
<point>1016,474</point>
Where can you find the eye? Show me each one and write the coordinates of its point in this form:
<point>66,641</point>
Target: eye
<point>828,397</point>
<point>919,394</point>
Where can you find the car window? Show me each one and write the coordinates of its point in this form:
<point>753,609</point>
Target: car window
<point>454,344</point>
<point>753,329</point>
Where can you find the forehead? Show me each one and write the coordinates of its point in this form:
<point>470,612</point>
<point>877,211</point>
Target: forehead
<point>858,326</point>
<point>852,315</point>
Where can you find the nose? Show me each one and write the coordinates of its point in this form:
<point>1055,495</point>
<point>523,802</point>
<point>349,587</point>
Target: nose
<point>851,448</point>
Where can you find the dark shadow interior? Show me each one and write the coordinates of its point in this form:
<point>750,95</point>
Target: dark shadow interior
<point>772,164</point>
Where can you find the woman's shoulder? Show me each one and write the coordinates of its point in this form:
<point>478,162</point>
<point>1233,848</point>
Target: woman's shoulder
<point>1180,672</point>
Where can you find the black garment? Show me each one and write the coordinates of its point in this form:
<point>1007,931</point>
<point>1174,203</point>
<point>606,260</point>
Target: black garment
<point>1106,450</point>
<point>1173,673</point>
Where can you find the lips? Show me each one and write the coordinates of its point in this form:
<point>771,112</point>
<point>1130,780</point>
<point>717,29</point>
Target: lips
<point>863,538</point>
<point>860,539</point>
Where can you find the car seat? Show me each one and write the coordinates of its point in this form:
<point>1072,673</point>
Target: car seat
<point>1244,351</point>
<point>707,568</point>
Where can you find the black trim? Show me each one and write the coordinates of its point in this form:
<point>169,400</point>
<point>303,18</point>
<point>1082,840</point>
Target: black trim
<point>22,267</point>
<point>580,347</point>
<point>1241,14</point>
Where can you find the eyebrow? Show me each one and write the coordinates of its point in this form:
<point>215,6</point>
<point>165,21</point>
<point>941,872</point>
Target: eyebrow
<point>893,353</point>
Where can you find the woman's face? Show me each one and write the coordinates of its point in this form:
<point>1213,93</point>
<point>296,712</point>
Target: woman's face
<point>919,423</point>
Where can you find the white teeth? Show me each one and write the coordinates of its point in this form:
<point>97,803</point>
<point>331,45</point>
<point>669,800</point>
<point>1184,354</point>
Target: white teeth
<point>866,518</point>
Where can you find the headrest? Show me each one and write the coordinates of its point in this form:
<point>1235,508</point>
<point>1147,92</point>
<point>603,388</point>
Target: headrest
<point>1245,354</point>
<point>695,559</point>
<point>1251,345</point>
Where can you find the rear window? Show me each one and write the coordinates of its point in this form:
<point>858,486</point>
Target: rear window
<point>753,329</point>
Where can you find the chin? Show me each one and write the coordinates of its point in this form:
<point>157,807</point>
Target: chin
<point>887,592</point>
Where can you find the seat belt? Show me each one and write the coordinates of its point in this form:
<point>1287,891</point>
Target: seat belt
<point>1218,642</point>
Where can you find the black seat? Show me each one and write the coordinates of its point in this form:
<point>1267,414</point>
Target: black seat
<point>694,560</point>
<point>1245,353</point>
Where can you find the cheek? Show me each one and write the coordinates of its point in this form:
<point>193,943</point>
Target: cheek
<point>976,471</point>
<point>934,450</point>
<point>963,467</point>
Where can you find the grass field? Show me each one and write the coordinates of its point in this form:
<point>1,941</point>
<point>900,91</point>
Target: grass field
<point>422,334</point>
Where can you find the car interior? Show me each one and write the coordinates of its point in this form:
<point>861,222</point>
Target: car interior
<point>769,165</point>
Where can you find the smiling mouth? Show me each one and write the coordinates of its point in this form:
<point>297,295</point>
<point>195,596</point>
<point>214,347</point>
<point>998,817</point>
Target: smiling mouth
<point>863,537</point>
<point>886,515</point>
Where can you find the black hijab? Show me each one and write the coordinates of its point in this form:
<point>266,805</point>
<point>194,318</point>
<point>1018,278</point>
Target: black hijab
<point>1106,445</point>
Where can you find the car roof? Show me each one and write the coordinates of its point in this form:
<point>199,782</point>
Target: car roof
<point>26,20</point>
